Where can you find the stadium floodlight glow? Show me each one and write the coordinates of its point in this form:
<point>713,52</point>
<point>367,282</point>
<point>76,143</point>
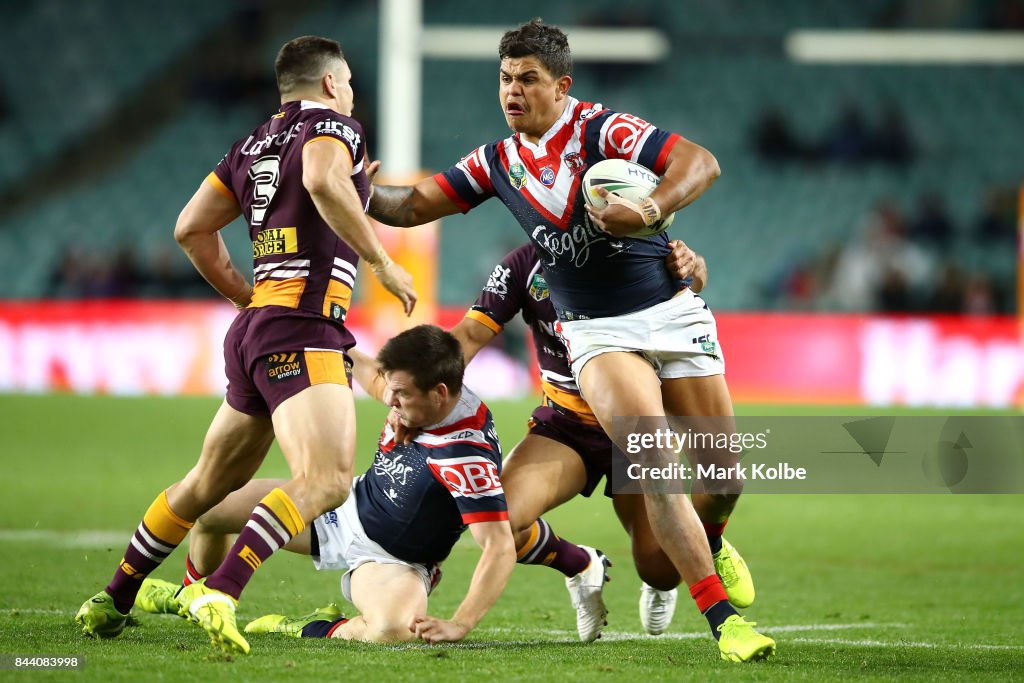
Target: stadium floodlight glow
<point>635,45</point>
<point>905,47</point>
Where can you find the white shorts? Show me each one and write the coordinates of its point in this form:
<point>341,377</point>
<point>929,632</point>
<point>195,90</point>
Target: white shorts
<point>678,337</point>
<point>345,545</point>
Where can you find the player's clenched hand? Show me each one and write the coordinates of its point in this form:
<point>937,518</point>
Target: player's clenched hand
<point>396,280</point>
<point>620,218</point>
<point>433,630</point>
<point>403,434</point>
<point>681,260</point>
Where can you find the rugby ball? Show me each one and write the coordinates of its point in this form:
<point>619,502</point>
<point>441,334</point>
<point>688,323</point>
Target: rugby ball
<point>628,180</point>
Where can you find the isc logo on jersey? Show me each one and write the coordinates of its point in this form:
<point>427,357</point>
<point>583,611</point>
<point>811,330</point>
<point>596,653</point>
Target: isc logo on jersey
<point>472,477</point>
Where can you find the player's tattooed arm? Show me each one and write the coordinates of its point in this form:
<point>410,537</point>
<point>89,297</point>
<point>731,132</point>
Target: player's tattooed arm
<point>391,205</point>
<point>408,205</point>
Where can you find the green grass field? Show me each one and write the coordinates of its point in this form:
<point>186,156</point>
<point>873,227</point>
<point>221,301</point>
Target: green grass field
<point>882,587</point>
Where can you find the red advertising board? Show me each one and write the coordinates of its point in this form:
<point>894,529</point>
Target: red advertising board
<point>174,347</point>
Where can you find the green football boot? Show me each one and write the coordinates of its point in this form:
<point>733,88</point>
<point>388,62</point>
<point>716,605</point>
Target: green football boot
<point>739,642</point>
<point>215,612</point>
<point>99,618</point>
<point>279,623</point>
<point>732,569</point>
<point>157,596</point>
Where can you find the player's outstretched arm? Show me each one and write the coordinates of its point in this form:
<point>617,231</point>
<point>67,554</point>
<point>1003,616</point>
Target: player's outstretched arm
<point>489,579</point>
<point>326,175</point>
<point>408,205</point>
<point>198,233</point>
<point>473,336</point>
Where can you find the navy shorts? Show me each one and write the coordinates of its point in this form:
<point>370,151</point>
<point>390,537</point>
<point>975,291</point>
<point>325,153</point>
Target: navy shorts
<point>272,353</point>
<point>588,440</point>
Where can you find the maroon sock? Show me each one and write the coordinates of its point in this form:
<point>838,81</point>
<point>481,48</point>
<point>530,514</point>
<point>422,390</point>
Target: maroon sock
<point>156,537</point>
<point>544,547</point>
<point>273,523</point>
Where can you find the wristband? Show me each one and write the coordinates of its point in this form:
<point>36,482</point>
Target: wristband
<point>649,211</point>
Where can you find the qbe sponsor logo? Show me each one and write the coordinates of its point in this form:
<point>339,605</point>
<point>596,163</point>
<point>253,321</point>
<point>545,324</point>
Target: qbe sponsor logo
<point>473,477</point>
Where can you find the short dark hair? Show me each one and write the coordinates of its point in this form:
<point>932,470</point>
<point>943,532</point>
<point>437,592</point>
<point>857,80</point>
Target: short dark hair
<point>302,61</point>
<point>428,353</point>
<point>549,44</point>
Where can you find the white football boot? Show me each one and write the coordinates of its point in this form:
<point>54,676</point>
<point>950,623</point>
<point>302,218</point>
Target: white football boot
<point>585,590</point>
<point>657,609</point>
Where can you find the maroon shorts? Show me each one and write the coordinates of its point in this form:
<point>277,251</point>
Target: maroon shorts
<point>588,440</point>
<point>272,353</point>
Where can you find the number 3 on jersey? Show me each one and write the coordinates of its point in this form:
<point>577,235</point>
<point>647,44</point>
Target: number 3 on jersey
<point>266,174</point>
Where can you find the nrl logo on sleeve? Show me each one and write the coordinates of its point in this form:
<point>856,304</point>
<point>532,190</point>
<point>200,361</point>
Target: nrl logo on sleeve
<point>517,175</point>
<point>539,288</point>
<point>282,366</point>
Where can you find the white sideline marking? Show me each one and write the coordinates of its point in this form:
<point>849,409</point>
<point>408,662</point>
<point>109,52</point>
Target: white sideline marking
<point>83,538</point>
<point>693,635</point>
<point>904,643</point>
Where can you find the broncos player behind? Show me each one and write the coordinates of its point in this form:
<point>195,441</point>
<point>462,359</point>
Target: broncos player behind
<point>566,453</point>
<point>300,183</point>
<point>640,348</point>
<point>403,515</point>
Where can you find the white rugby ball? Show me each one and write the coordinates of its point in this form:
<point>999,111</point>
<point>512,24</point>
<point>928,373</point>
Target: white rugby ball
<point>628,180</point>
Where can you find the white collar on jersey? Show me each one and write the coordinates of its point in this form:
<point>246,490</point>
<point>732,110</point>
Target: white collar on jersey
<point>540,149</point>
<point>467,406</point>
<point>310,104</point>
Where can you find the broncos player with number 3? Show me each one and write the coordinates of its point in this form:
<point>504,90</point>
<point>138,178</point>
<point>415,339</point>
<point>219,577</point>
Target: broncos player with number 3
<point>300,183</point>
<point>639,347</point>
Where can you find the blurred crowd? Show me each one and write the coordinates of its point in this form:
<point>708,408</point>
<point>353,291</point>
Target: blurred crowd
<point>851,140</point>
<point>909,262</point>
<point>83,274</point>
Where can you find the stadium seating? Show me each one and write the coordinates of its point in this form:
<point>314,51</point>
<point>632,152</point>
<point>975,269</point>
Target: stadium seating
<point>726,68</point>
<point>77,60</point>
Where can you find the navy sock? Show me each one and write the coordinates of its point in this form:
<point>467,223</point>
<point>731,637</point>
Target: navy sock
<point>717,614</point>
<point>320,629</point>
<point>716,543</point>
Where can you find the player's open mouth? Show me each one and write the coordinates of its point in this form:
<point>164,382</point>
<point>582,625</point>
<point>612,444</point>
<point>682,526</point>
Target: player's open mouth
<point>514,109</point>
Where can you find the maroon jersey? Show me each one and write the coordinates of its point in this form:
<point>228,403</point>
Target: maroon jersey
<point>517,285</point>
<point>298,261</point>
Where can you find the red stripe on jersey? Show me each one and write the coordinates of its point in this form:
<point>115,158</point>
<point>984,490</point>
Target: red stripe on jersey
<point>475,421</point>
<point>562,221</point>
<point>474,517</point>
<point>659,163</point>
<point>450,192</point>
<point>480,444</point>
<point>473,164</point>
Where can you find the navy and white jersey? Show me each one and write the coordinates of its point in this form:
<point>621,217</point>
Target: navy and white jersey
<point>417,498</point>
<point>591,274</point>
<point>517,285</point>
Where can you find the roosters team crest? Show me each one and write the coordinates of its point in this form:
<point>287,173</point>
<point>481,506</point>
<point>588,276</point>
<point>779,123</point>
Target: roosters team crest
<point>574,162</point>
